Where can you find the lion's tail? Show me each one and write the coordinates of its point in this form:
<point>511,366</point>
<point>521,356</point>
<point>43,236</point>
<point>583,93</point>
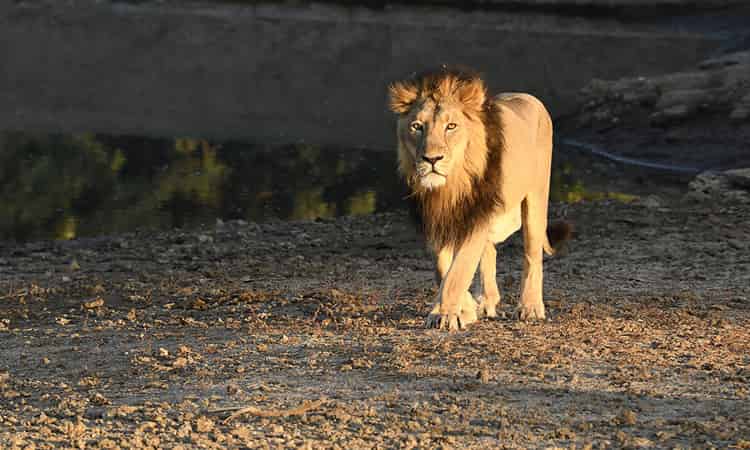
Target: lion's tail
<point>558,234</point>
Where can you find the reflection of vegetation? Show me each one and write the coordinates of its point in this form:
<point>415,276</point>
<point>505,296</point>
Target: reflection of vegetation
<point>361,204</point>
<point>305,182</point>
<point>191,179</point>
<point>61,186</point>
<point>565,188</point>
<point>309,204</point>
<point>48,180</point>
<point>66,186</point>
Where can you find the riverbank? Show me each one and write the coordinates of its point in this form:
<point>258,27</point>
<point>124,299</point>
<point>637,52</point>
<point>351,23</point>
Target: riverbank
<point>696,118</point>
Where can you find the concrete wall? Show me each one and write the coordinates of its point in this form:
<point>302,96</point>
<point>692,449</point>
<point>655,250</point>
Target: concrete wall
<point>281,74</point>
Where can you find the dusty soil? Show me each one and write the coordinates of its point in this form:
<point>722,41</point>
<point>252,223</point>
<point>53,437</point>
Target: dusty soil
<point>152,340</point>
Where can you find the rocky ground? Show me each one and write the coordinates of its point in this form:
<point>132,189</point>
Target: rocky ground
<point>155,340</point>
<point>697,118</point>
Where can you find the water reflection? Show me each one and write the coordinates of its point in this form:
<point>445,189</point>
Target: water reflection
<point>66,186</point>
<point>567,185</point>
<point>62,186</point>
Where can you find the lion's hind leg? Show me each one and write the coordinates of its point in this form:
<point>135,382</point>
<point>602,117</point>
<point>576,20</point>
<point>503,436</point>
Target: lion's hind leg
<point>534,214</point>
<point>490,296</point>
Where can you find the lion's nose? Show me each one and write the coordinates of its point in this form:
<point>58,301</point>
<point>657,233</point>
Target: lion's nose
<point>432,160</point>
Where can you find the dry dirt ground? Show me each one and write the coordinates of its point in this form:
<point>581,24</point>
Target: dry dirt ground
<point>154,340</point>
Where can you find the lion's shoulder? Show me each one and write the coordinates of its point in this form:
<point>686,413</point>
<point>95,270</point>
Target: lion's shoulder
<point>523,115</point>
<point>527,107</point>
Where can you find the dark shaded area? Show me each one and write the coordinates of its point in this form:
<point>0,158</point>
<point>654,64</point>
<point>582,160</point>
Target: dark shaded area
<point>68,186</point>
<point>630,10</point>
<point>309,73</point>
<point>64,186</point>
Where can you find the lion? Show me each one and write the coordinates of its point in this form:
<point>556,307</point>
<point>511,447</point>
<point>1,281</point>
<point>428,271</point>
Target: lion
<point>478,170</point>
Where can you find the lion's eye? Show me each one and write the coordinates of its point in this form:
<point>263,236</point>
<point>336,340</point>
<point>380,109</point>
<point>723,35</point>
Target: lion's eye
<point>451,126</point>
<point>416,126</point>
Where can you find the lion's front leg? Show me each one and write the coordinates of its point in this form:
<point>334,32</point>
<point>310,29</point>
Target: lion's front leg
<point>468,309</point>
<point>443,261</point>
<point>455,307</point>
<point>467,314</point>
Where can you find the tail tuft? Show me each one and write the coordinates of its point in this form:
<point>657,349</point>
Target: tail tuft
<point>558,234</point>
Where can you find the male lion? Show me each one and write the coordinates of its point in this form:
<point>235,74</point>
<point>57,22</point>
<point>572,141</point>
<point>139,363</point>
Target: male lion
<point>478,169</point>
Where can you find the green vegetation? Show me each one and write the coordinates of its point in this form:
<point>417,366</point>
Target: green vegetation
<point>566,188</point>
<point>61,187</point>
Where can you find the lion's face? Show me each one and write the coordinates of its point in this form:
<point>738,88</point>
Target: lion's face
<point>435,137</point>
<point>438,116</point>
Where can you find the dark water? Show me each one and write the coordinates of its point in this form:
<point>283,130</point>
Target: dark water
<point>68,186</point>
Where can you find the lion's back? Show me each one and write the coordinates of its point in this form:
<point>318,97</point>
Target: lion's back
<point>527,150</point>
<point>530,112</point>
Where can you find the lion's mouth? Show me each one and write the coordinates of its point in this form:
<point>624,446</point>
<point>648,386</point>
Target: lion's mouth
<point>427,171</point>
<point>432,180</point>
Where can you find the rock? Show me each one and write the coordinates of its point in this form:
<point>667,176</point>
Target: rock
<point>565,433</point>
<point>731,186</point>
<point>184,430</point>
<point>483,376</point>
<point>199,304</point>
<point>741,111</point>
<point>204,425</point>
<point>95,413</point>
<point>719,85</point>
<point>730,59</point>
<point>739,178</point>
<point>651,202</point>
<point>99,400</point>
<point>62,321</point>
<point>180,362</point>
<point>736,244</point>
<point>628,417</point>
<point>98,302</point>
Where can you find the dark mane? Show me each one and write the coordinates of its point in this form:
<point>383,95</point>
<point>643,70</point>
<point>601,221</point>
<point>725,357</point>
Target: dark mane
<point>450,226</point>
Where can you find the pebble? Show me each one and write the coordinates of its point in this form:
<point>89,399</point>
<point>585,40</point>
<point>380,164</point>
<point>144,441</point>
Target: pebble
<point>628,417</point>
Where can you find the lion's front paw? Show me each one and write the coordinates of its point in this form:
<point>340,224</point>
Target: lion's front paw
<point>533,311</point>
<point>445,321</point>
<point>466,314</point>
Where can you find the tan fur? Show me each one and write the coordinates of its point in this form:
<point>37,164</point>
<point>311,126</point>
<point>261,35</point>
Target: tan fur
<point>496,158</point>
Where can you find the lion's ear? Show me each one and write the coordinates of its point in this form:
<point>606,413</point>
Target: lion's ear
<point>472,94</point>
<point>402,96</point>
